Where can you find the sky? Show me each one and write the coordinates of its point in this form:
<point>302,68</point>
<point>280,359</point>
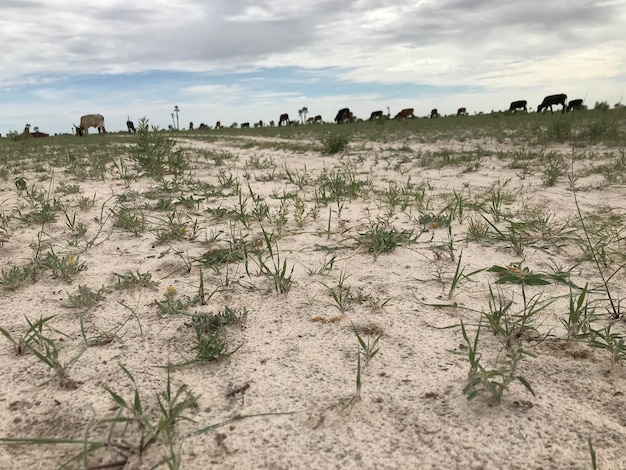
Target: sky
<point>246,61</point>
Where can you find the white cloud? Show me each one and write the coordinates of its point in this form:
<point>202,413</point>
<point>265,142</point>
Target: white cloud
<point>490,45</point>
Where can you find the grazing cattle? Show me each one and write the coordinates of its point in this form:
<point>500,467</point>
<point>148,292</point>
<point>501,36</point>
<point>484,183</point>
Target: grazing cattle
<point>272,123</point>
<point>218,125</point>
<point>284,119</point>
<point>434,113</point>
<point>310,120</point>
<point>461,112</point>
<point>405,114</point>
<point>245,124</point>
<point>26,130</point>
<point>343,115</point>
<point>90,120</point>
<point>551,100</point>
<point>191,126</point>
<point>131,127</point>
<point>575,105</point>
<point>203,126</point>
<point>521,104</point>
<point>317,119</point>
<point>376,115</point>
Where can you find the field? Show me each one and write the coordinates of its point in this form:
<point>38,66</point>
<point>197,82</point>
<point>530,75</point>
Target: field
<point>429,293</point>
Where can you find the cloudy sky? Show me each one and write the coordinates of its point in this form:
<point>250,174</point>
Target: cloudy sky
<point>240,60</point>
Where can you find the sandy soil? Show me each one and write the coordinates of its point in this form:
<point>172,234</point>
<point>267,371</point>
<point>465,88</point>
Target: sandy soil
<point>296,366</point>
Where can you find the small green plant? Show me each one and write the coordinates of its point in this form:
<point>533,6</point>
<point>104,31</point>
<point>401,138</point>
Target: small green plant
<point>277,271</point>
<point>613,343</point>
<point>580,315</point>
<point>368,350</point>
<point>65,267</point>
<point>356,396</point>
<point>132,417</point>
<point>130,280</point>
<point>515,273</point>
<point>325,268</point>
<point>592,454</point>
<point>15,276</point>
<point>477,229</point>
<point>341,294</point>
<point>383,238</point>
<point>45,349</point>
<point>129,219</point>
<point>85,203</point>
<point>513,327</point>
<point>493,382</point>
<point>210,341</point>
<point>173,305</point>
<point>155,153</point>
<point>173,227</point>
<point>84,299</point>
<point>554,168</point>
<point>334,143</point>
<point>25,342</point>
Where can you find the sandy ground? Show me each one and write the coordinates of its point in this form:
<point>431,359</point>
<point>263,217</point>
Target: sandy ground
<point>296,366</point>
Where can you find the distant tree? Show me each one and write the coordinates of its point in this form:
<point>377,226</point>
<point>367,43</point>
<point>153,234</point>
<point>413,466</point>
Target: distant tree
<point>176,111</point>
<point>601,106</point>
<point>303,112</point>
<point>619,105</point>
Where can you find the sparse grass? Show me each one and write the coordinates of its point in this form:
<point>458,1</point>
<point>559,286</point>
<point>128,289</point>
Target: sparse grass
<point>491,382</point>
<point>334,143</point>
<point>254,220</point>
<point>271,266</point>
<point>84,299</point>
<point>383,238</point>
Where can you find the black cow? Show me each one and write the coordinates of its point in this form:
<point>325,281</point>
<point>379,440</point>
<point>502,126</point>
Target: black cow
<point>521,104</point>
<point>461,112</point>
<point>131,127</point>
<point>575,105</point>
<point>343,115</point>
<point>376,115</point>
<point>551,100</point>
<point>284,118</point>
<point>245,124</point>
<point>434,113</point>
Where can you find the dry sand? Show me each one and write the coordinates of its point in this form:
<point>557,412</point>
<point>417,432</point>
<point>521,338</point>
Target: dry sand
<point>297,363</point>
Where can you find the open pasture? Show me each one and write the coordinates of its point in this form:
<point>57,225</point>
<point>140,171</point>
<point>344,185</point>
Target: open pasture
<point>430,293</point>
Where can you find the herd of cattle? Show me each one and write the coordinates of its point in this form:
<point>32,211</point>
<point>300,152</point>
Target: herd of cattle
<point>344,115</point>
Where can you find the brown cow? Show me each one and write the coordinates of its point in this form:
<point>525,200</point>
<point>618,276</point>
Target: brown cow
<point>461,112</point>
<point>218,125</point>
<point>405,114</point>
<point>272,123</point>
<point>284,118</point>
<point>317,119</point>
<point>434,113</point>
<point>191,126</point>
